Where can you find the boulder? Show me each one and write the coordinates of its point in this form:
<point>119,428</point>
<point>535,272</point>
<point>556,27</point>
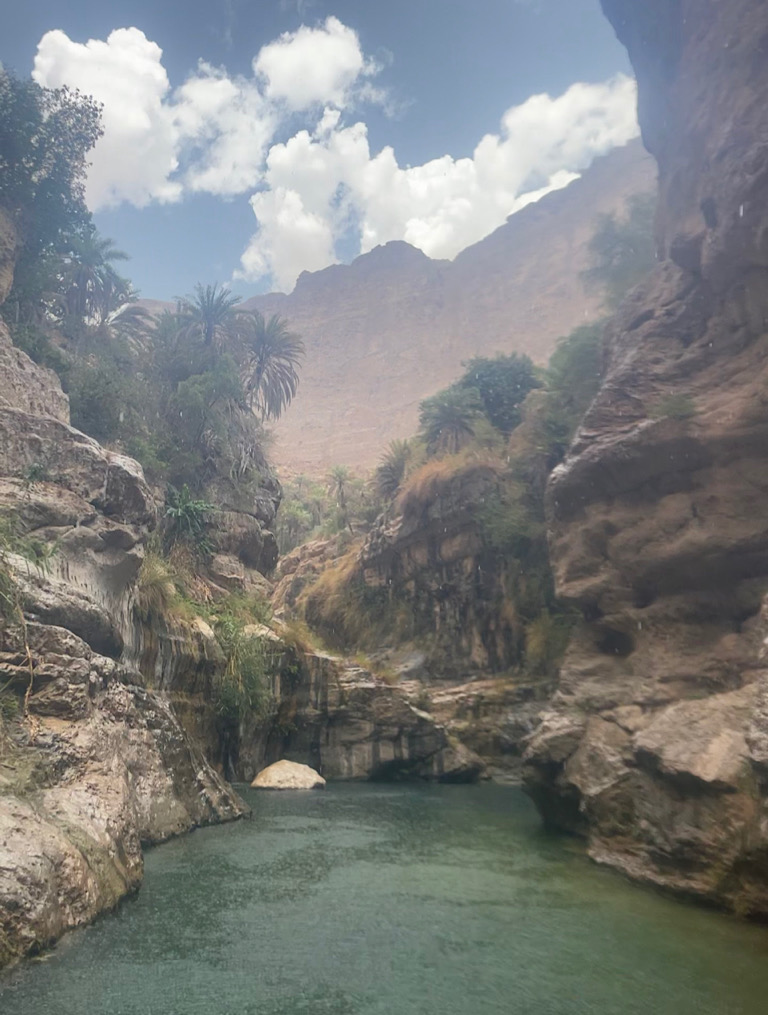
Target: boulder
<point>288,775</point>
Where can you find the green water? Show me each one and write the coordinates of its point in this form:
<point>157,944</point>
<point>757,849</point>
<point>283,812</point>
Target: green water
<point>394,901</point>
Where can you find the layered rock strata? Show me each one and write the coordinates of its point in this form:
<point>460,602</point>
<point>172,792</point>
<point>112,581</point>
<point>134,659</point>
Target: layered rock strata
<point>347,723</point>
<point>654,746</point>
<point>100,763</point>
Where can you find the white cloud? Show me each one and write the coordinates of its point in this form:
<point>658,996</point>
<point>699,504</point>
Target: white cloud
<point>445,204</point>
<point>217,134</point>
<point>228,125</point>
<point>313,66</point>
<point>137,155</point>
<point>292,238</point>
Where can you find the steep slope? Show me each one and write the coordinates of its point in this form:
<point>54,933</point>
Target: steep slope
<point>656,744</point>
<point>394,326</point>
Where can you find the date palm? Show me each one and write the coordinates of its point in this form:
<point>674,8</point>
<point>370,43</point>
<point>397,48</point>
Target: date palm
<point>209,315</point>
<point>390,471</point>
<point>92,287</point>
<point>273,355</point>
<point>448,419</point>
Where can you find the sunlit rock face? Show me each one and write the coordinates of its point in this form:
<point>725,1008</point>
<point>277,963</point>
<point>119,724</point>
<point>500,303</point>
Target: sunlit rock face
<point>101,762</point>
<point>655,744</point>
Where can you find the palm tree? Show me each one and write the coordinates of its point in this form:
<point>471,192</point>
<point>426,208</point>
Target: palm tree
<point>391,468</point>
<point>91,286</point>
<point>447,419</point>
<point>209,315</point>
<point>273,354</point>
<point>338,482</point>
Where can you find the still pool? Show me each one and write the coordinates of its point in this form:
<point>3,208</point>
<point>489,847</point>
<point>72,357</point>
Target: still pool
<point>394,900</point>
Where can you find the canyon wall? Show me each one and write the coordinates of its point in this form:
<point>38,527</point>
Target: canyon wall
<point>655,746</point>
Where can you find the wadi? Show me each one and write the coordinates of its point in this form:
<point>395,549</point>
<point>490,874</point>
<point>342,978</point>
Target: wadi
<point>473,544</point>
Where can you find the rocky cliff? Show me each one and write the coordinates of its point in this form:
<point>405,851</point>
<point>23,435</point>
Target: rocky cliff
<point>654,746</point>
<point>394,326</point>
<point>100,763</point>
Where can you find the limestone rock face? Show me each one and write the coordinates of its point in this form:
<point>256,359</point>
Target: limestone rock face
<point>26,385</point>
<point>348,724</point>
<point>429,551</point>
<point>288,775</point>
<point>99,763</point>
<point>101,767</point>
<point>654,744</point>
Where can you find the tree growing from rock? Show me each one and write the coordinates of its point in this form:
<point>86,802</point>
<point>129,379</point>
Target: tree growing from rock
<point>390,471</point>
<point>622,250</point>
<point>502,384</point>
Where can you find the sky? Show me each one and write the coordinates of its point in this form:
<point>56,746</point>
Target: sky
<point>246,141</point>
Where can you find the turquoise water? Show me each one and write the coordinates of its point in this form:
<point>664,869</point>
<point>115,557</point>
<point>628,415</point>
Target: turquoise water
<point>383,900</point>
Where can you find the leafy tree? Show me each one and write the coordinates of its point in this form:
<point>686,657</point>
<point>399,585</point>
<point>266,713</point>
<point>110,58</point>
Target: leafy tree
<point>272,356</point>
<point>502,384</point>
<point>210,315</point>
<point>622,250</point>
<point>573,377</point>
<point>447,419</point>
<point>391,468</point>
<point>45,137</point>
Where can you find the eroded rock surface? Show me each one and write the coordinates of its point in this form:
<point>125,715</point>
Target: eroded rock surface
<point>349,724</point>
<point>100,763</point>
<point>654,745</point>
<point>101,767</point>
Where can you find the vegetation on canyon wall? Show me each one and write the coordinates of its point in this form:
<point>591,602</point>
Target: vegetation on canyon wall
<point>187,393</point>
<point>474,475</point>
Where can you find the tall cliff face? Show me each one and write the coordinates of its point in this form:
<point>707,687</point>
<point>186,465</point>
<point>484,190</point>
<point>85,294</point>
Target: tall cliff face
<point>655,745</point>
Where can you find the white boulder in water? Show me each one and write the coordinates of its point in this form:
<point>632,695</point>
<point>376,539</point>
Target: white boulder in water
<point>288,775</point>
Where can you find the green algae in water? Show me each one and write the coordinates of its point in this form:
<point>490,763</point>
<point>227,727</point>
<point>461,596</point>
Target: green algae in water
<point>382,900</point>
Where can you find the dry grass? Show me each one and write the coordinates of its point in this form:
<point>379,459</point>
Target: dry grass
<point>428,481</point>
<point>156,593</point>
<point>344,611</point>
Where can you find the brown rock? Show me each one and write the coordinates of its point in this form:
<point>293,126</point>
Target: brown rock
<point>657,520</point>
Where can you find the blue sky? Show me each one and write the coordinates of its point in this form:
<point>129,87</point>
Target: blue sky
<point>315,130</point>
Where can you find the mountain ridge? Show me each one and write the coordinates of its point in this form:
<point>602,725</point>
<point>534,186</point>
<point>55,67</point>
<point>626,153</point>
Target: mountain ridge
<point>394,325</point>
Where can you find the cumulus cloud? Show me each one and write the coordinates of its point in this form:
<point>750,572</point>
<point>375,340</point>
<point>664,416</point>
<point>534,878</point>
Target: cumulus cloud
<point>313,66</point>
<point>445,204</point>
<point>138,154</point>
<point>217,133</point>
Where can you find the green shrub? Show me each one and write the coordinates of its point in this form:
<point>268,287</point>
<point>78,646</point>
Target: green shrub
<point>156,592</point>
<point>186,519</point>
<point>96,400</point>
<point>674,407</point>
<point>243,686</point>
<point>546,639</point>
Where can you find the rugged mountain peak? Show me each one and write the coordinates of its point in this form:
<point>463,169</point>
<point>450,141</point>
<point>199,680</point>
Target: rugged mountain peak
<point>394,326</point>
